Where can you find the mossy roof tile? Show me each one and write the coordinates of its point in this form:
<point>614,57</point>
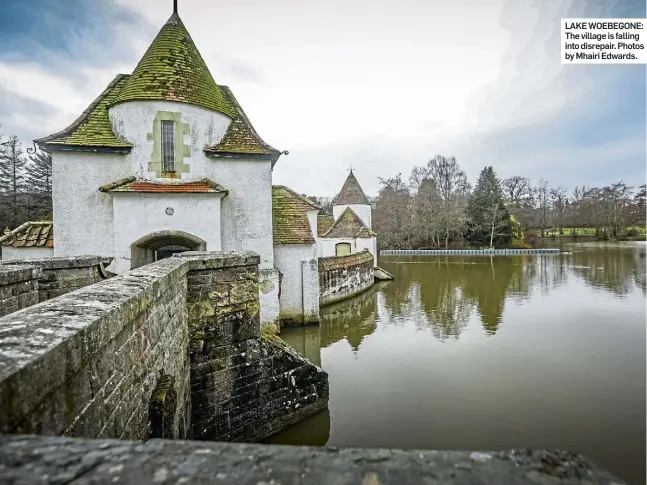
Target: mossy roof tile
<point>324,222</point>
<point>290,217</point>
<point>131,184</point>
<point>348,226</point>
<point>172,69</point>
<point>31,234</point>
<point>351,193</point>
<point>93,127</point>
<point>241,137</point>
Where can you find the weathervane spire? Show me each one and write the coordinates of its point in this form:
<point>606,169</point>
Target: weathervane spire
<point>350,168</point>
<point>175,7</point>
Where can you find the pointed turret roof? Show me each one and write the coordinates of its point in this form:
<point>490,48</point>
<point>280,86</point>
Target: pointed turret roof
<point>172,69</point>
<point>349,225</point>
<point>351,193</point>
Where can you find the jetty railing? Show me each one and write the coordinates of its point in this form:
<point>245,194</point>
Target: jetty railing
<point>464,252</point>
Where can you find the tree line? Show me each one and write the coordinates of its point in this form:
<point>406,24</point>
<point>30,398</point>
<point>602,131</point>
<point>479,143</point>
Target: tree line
<point>436,207</point>
<point>25,184</point>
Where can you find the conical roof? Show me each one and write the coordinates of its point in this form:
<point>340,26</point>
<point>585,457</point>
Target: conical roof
<point>172,69</point>
<point>351,193</point>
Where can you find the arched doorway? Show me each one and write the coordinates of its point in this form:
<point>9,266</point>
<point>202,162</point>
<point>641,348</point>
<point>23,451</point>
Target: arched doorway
<point>163,244</point>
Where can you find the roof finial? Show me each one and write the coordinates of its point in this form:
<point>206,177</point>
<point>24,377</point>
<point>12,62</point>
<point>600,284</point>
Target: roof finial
<point>175,7</point>
<point>351,168</point>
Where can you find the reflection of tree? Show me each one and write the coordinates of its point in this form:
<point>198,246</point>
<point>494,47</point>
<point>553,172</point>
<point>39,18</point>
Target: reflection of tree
<point>612,267</point>
<point>449,289</point>
<point>396,296</point>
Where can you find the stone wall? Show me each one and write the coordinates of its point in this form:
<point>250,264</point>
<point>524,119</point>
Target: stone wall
<point>245,385</point>
<point>170,350</point>
<point>18,287</point>
<point>86,363</point>
<point>55,460</point>
<point>56,276</point>
<point>341,277</point>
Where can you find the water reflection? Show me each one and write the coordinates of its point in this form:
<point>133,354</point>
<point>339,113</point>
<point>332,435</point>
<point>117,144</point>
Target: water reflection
<point>540,351</point>
<point>448,290</point>
<point>351,320</point>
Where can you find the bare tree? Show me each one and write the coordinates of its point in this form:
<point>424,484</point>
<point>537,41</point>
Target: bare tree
<point>518,196</point>
<point>542,192</point>
<point>559,200</point>
<point>392,213</point>
<point>453,189</point>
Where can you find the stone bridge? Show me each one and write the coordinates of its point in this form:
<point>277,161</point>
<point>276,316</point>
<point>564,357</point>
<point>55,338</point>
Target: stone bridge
<point>103,383</point>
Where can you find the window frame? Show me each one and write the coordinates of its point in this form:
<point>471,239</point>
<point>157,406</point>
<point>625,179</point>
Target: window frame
<point>168,146</point>
<point>343,244</point>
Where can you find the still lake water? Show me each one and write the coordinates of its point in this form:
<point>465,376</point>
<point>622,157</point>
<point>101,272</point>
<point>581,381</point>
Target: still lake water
<point>488,353</point>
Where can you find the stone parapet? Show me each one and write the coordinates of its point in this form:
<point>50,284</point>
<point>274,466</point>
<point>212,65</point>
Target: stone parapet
<point>56,460</point>
<point>341,277</point>
<point>171,350</point>
<point>18,287</point>
<point>61,275</point>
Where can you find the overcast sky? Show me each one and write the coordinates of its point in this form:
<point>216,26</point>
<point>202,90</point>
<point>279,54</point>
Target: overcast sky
<point>382,85</point>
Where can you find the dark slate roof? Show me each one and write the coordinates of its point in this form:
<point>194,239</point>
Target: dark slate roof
<point>131,184</point>
<point>241,137</point>
<point>93,127</point>
<point>324,222</point>
<point>349,225</point>
<point>351,193</point>
<point>172,69</point>
<point>30,235</point>
<point>289,217</point>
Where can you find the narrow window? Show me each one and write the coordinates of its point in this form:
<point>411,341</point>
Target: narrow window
<point>168,146</point>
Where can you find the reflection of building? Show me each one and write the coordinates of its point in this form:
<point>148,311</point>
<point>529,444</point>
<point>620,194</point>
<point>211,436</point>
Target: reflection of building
<point>306,340</point>
<point>352,319</point>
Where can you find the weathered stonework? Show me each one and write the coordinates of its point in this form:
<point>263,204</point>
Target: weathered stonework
<point>86,363</point>
<point>341,277</point>
<point>171,349</point>
<point>18,287</point>
<point>244,385</point>
<point>55,460</point>
<point>62,275</point>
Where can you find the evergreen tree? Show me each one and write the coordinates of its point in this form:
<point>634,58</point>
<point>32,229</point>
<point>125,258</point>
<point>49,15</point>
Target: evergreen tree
<point>12,176</point>
<point>489,220</point>
<point>39,183</point>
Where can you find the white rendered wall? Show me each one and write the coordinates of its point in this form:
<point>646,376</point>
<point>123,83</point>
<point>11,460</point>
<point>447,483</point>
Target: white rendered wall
<point>310,288</point>
<point>247,211</point>
<point>288,259</point>
<point>370,244</point>
<point>328,245</point>
<point>9,253</point>
<point>362,210</point>
<point>134,121</point>
<point>137,215</point>
<point>82,214</point>
<point>312,219</point>
<point>268,293</point>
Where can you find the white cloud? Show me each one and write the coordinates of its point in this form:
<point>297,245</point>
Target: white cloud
<point>382,85</point>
